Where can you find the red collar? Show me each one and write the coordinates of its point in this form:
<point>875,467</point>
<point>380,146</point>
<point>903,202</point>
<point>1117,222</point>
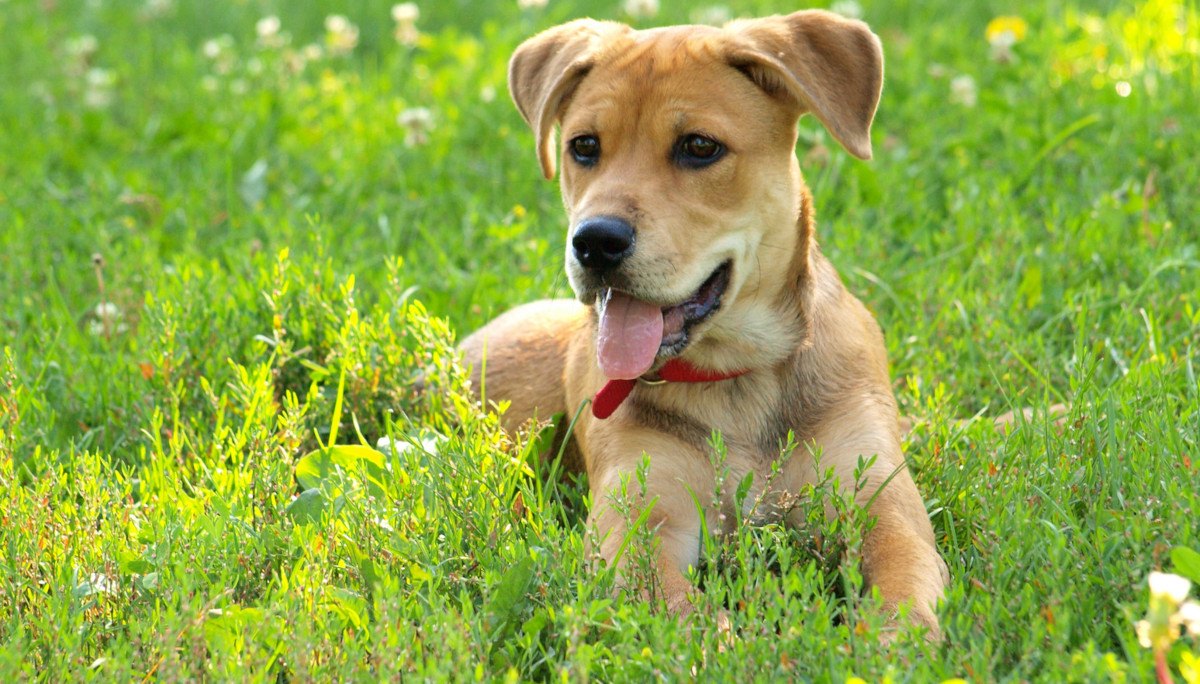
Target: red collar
<point>614,392</point>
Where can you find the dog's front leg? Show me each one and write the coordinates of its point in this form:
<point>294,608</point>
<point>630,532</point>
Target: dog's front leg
<point>899,557</point>
<point>662,508</point>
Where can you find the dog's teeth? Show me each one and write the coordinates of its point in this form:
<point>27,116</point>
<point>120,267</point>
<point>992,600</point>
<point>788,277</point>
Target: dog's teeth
<point>602,300</point>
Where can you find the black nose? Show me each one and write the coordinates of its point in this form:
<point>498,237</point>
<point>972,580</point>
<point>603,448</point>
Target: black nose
<point>601,242</point>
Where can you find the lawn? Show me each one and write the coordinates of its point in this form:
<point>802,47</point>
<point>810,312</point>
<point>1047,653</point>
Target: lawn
<point>227,242</point>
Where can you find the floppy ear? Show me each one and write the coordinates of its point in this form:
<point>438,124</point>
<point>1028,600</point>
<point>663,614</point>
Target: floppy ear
<point>545,70</point>
<point>827,64</point>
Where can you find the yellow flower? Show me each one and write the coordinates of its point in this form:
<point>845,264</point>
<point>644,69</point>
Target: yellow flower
<point>1006,30</point>
<point>1189,667</point>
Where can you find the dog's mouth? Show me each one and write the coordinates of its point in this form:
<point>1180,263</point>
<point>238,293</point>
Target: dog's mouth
<point>634,333</point>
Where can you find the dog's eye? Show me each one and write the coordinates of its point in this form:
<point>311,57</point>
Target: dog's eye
<point>695,151</point>
<point>585,149</point>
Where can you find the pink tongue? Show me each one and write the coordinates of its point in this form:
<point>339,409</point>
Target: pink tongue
<point>630,334</point>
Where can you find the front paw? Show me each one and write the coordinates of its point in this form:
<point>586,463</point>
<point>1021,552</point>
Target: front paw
<point>683,607</point>
<point>917,618</point>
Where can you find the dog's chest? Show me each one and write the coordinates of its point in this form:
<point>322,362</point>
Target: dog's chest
<point>756,416</point>
<point>749,426</point>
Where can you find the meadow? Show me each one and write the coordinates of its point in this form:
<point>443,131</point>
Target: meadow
<point>234,233</point>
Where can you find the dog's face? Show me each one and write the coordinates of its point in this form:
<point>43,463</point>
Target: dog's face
<point>679,171</point>
<point>687,157</point>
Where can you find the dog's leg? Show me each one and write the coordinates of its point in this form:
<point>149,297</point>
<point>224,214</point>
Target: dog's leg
<point>899,556</point>
<point>524,351</point>
<point>900,560</point>
<point>673,519</point>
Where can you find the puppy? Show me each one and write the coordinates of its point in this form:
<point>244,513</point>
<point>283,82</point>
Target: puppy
<point>702,299</point>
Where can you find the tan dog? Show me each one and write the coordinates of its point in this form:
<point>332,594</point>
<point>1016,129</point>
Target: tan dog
<point>692,256</point>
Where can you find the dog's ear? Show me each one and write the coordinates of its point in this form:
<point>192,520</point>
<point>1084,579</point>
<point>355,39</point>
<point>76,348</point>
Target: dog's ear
<point>827,64</point>
<point>545,70</point>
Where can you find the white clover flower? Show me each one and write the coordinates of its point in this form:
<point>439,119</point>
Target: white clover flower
<point>99,583</point>
<point>211,49</point>
<point>429,443</point>
<point>526,4</point>
<point>1189,615</point>
<point>1164,585</point>
<point>963,91</point>
<point>216,48</point>
<point>82,47</point>
<point>1169,610</point>
<point>847,8</point>
<point>98,88</point>
<point>294,61</point>
<point>415,116</point>
<point>716,15</point>
<point>269,35</point>
<point>156,8</point>
<point>387,446</point>
<point>106,320</point>
<point>267,27</point>
<point>1002,34</point>
<point>407,34</point>
<point>487,93</point>
<point>1002,52</point>
<point>641,8</point>
<point>418,121</point>
<point>337,23</point>
<point>1003,39</point>
<point>107,310</point>
<point>406,13</point>
<point>312,52</point>
<point>341,36</point>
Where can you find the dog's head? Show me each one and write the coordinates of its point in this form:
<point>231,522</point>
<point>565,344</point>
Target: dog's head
<point>679,170</point>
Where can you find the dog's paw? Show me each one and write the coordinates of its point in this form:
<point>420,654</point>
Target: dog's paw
<point>685,612</point>
<point>918,619</point>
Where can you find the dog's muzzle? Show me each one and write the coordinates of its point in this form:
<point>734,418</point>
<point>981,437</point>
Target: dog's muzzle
<point>601,243</point>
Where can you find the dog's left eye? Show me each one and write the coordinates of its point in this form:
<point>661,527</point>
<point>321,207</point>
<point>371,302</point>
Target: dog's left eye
<point>696,150</point>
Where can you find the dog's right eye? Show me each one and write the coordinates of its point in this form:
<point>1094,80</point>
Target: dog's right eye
<point>585,149</point>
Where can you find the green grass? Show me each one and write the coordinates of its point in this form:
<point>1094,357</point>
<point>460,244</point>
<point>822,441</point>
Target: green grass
<point>284,265</point>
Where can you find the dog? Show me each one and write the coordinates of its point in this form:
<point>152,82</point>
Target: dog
<point>702,300</point>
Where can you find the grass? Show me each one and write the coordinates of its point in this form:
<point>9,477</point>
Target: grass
<point>215,259</point>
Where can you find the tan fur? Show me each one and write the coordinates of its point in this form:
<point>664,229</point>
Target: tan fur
<point>816,356</point>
